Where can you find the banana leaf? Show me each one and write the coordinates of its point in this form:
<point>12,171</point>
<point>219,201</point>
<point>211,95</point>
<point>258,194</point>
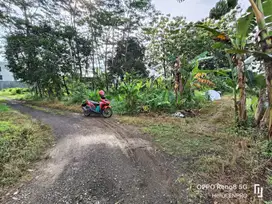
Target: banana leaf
<point>245,25</point>
<point>212,30</point>
<point>267,8</point>
<point>244,51</point>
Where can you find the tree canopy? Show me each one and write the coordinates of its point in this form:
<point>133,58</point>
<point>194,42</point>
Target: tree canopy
<point>221,8</point>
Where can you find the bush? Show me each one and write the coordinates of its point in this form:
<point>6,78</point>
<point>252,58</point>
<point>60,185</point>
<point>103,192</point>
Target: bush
<point>78,93</point>
<point>221,84</point>
<point>118,106</point>
<point>129,93</point>
<point>267,149</point>
<point>15,91</point>
<point>196,100</point>
<point>19,91</point>
<point>94,96</point>
<point>158,100</point>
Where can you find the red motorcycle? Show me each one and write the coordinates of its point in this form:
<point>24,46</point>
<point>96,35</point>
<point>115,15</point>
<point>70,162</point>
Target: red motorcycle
<point>103,107</point>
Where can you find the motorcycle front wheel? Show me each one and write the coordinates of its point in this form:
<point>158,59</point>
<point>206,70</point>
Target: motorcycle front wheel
<point>107,113</point>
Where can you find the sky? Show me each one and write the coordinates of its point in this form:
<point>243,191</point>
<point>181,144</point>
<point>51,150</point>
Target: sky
<point>193,10</point>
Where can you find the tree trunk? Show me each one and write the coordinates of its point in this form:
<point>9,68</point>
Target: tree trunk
<point>49,92</point>
<point>105,62</point>
<point>164,68</point>
<point>164,62</point>
<point>264,121</point>
<point>87,65</point>
<point>261,107</point>
<point>79,63</point>
<point>268,73</point>
<point>65,85</point>
<point>58,90</point>
<point>234,80</point>
<point>36,90</point>
<point>39,89</point>
<point>72,56</point>
<point>178,81</point>
<point>93,63</point>
<point>242,89</point>
<point>235,106</point>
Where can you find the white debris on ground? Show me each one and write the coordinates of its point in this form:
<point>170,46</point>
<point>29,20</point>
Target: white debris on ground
<point>179,115</point>
<point>213,95</point>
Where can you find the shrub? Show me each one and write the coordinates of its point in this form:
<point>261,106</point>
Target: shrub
<point>78,93</point>
<point>130,94</point>
<point>118,106</point>
<point>158,100</point>
<point>94,96</point>
<point>267,149</point>
<point>3,107</point>
<point>19,91</point>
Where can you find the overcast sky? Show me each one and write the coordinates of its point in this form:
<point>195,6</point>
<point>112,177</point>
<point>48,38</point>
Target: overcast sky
<point>193,10</point>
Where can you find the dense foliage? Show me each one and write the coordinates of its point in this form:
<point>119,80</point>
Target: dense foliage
<point>45,48</point>
<point>222,7</point>
<point>115,45</point>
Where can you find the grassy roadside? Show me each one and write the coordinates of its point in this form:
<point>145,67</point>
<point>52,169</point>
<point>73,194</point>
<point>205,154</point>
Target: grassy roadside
<point>57,105</point>
<point>22,141</point>
<point>210,151</point>
<point>47,110</point>
<point>44,105</point>
<point>14,93</point>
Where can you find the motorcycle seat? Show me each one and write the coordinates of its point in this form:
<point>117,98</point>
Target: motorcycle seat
<point>94,102</point>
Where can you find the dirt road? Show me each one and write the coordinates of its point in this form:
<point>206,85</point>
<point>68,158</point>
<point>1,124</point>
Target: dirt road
<point>97,160</point>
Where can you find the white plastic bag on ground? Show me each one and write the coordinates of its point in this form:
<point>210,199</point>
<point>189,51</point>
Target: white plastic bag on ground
<point>178,115</point>
<point>213,95</point>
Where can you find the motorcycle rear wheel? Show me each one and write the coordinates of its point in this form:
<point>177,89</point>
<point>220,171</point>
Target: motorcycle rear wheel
<point>86,112</point>
<point>107,113</point>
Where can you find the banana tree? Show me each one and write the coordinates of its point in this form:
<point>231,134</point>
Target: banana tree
<point>194,78</point>
<point>238,41</point>
<point>262,10</point>
<point>178,78</point>
<point>263,14</point>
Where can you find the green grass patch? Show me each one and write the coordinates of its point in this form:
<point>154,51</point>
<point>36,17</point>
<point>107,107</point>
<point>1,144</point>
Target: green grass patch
<point>3,107</point>
<point>15,93</point>
<point>176,140</point>
<point>22,141</point>
<point>5,126</point>
<point>208,147</point>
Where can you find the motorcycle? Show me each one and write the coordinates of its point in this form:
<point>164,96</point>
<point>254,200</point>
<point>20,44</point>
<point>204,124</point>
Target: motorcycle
<point>103,107</point>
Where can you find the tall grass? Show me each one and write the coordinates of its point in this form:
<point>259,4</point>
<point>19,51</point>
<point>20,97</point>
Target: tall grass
<point>21,142</point>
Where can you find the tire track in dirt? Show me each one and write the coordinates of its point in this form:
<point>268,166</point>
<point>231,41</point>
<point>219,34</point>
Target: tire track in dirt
<point>144,154</point>
<point>96,160</point>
